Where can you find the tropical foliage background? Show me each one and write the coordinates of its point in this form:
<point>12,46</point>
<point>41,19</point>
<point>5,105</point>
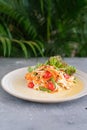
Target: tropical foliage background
<point>30,28</point>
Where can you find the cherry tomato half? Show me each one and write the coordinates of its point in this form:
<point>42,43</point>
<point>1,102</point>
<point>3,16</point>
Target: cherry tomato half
<point>30,84</point>
<point>47,75</point>
<point>66,76</point>
<point>51,86</point>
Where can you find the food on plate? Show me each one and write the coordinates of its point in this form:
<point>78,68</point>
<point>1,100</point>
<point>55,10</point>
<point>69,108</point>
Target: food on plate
<point>51,76</point>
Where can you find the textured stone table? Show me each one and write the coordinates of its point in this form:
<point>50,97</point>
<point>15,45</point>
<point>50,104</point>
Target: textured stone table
<point>17,114</point>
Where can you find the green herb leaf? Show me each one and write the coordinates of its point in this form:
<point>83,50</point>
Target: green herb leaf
<point>30,69</point>
<point>61,65</point>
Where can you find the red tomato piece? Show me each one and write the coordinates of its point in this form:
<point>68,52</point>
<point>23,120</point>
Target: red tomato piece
<point>47,75</point>
<point>30,84</point>
<point>66,76</point>
<point>51,86</point>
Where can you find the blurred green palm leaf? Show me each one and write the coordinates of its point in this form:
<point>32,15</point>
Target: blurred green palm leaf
<point>16,27</point>
<point>48,27</point>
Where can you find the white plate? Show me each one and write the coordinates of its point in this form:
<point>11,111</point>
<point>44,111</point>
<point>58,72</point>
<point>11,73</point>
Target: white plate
<point>15,84</point>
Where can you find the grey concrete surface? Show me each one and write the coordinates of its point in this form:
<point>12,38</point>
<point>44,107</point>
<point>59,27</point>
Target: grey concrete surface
<point>17,114</point>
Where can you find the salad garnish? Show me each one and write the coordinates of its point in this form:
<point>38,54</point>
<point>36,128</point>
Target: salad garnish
<point>51,76</point>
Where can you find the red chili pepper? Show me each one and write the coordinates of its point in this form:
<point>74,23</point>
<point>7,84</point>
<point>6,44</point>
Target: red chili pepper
<point>66,76</point>
<point>51,86</point>
<point>47,75</point>
<point>30,84</point>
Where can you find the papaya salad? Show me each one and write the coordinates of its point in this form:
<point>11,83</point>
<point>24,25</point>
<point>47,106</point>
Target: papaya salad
<point>51,76</point>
